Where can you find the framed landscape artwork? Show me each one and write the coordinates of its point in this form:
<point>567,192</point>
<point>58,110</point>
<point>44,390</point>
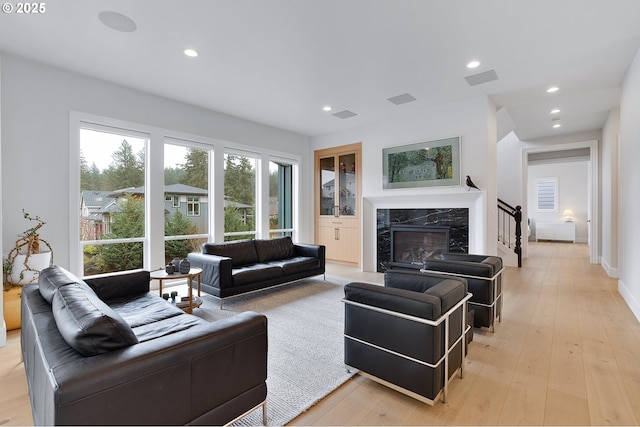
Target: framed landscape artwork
<point>423,164</point>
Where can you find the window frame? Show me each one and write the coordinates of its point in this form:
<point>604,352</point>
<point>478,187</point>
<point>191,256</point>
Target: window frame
<point>195,202</point>
<point>153,242</point>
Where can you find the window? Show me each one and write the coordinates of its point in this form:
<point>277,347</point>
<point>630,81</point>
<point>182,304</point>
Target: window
<point>239,197</point>
<point>280,199</point>
<point>547,194</point>
<point>112,186</point>
<point>118,224</point>
<point>186,176</point>
<point>193,206</point>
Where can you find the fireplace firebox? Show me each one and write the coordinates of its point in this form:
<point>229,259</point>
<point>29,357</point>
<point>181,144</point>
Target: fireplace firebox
<point>412,244</point>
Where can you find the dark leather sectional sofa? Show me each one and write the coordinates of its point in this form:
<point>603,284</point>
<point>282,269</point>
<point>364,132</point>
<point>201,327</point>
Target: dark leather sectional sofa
<point>108,352</point>
<point>242,266</point>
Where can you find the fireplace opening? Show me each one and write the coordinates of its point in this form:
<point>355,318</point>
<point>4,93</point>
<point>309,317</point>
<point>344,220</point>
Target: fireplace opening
<point>412,244</point>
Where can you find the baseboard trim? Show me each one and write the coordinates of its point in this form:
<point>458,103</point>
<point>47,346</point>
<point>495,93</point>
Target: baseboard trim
<point>628,297</point>
<point>611,272</point>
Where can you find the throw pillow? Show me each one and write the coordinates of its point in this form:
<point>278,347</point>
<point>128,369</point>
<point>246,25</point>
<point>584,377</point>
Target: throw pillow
<point>86,323</point>
<point>51,278</point>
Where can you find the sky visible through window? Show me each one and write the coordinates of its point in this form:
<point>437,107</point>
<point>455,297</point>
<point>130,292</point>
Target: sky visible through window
<point>98,147</point>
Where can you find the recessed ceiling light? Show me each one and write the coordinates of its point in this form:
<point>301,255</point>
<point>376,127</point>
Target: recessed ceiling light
<point>473,64</point>
<point>555,111</point>
<point>553,89</point>
<point>117,21</point>
<point>191,53</point>
<point>327,108</point>
<point>556,125</point>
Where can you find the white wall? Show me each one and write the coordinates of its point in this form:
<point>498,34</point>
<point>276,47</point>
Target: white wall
<point>509,155</point>
<point>572,194</point>
<point>610,132</point>
<point>628,192</point>
<point>36,103</point>
<point>473,120</point>
<point>3,325</point>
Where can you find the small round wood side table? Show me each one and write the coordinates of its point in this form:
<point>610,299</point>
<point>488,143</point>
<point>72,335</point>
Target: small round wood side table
<point>161,275</point>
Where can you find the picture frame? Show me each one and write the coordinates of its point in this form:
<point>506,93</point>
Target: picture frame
<point>422,164</point>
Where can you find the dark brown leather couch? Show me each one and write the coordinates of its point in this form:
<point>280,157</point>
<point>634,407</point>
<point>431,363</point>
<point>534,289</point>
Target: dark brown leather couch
<point>108,352</point>
<point>242,266</point>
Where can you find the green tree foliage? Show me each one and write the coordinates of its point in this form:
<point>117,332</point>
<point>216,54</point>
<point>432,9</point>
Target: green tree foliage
<point>179,225</point>
<point>234,221</point>
<point>173,175</point>
<point>127,168</point>
<point>90,176</point>
<point>127,223</point>
<point>196,168</point>
<point>240,180</point>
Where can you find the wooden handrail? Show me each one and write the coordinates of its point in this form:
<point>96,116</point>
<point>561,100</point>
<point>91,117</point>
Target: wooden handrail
<point>516,214</point>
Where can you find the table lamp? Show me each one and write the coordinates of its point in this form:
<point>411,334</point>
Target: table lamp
<point>568,215</point>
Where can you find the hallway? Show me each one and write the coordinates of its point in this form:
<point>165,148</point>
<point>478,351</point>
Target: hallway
<point>565,353</point>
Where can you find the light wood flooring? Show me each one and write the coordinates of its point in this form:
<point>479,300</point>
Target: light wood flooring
<point>567,352</point>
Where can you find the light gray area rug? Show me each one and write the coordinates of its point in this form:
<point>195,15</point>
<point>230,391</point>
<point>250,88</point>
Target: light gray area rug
<point>306,350</point>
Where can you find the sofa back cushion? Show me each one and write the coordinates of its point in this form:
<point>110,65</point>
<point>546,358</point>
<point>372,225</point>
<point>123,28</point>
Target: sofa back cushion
<point>86,323</point>
<point>51,278</point>
<point>450,292</point>
<point>120,285</point>
<point>274,249</point>
<point>241,252</point>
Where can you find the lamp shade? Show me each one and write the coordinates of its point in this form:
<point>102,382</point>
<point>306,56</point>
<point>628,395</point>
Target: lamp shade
<point>568,215</point>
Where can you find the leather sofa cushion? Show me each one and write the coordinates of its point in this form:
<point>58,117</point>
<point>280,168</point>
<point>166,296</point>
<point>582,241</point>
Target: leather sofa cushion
<point>51,278</point>
<point>86,323</point>
<point>255,273</point>
<point>297,264</point>
<point>274,249</point>
<point>241,252</point>
<point>119,285</point>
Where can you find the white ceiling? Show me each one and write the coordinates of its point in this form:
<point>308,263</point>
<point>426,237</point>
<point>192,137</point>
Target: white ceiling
<point>278,62</point>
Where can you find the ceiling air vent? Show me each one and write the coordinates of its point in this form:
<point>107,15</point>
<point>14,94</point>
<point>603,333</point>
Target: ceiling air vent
<point>345,114</point>
<point>484,77</point>
<point>401,99</point>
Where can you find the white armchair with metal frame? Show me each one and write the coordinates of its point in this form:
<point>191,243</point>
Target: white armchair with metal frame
<point>408,334</point>
<point>484,277</point>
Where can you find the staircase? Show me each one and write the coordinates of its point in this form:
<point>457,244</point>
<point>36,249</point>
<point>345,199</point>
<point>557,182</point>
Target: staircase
<point>510,234</point>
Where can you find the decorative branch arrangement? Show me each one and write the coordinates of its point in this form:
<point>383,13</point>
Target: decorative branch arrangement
<point>28,244</point>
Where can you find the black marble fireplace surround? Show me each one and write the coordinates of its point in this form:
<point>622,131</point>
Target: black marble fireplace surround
<point>456,219</point>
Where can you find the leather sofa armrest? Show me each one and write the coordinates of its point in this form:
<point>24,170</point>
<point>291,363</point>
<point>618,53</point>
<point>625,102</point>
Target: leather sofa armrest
<point>216,270</point>
<point>306,249</point>
<point>203,367</point>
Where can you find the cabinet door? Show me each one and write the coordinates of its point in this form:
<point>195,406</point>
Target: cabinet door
<point>545,231</point>
<point>337,202</point>
<point>566,231</point>
<point>327,180</point>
